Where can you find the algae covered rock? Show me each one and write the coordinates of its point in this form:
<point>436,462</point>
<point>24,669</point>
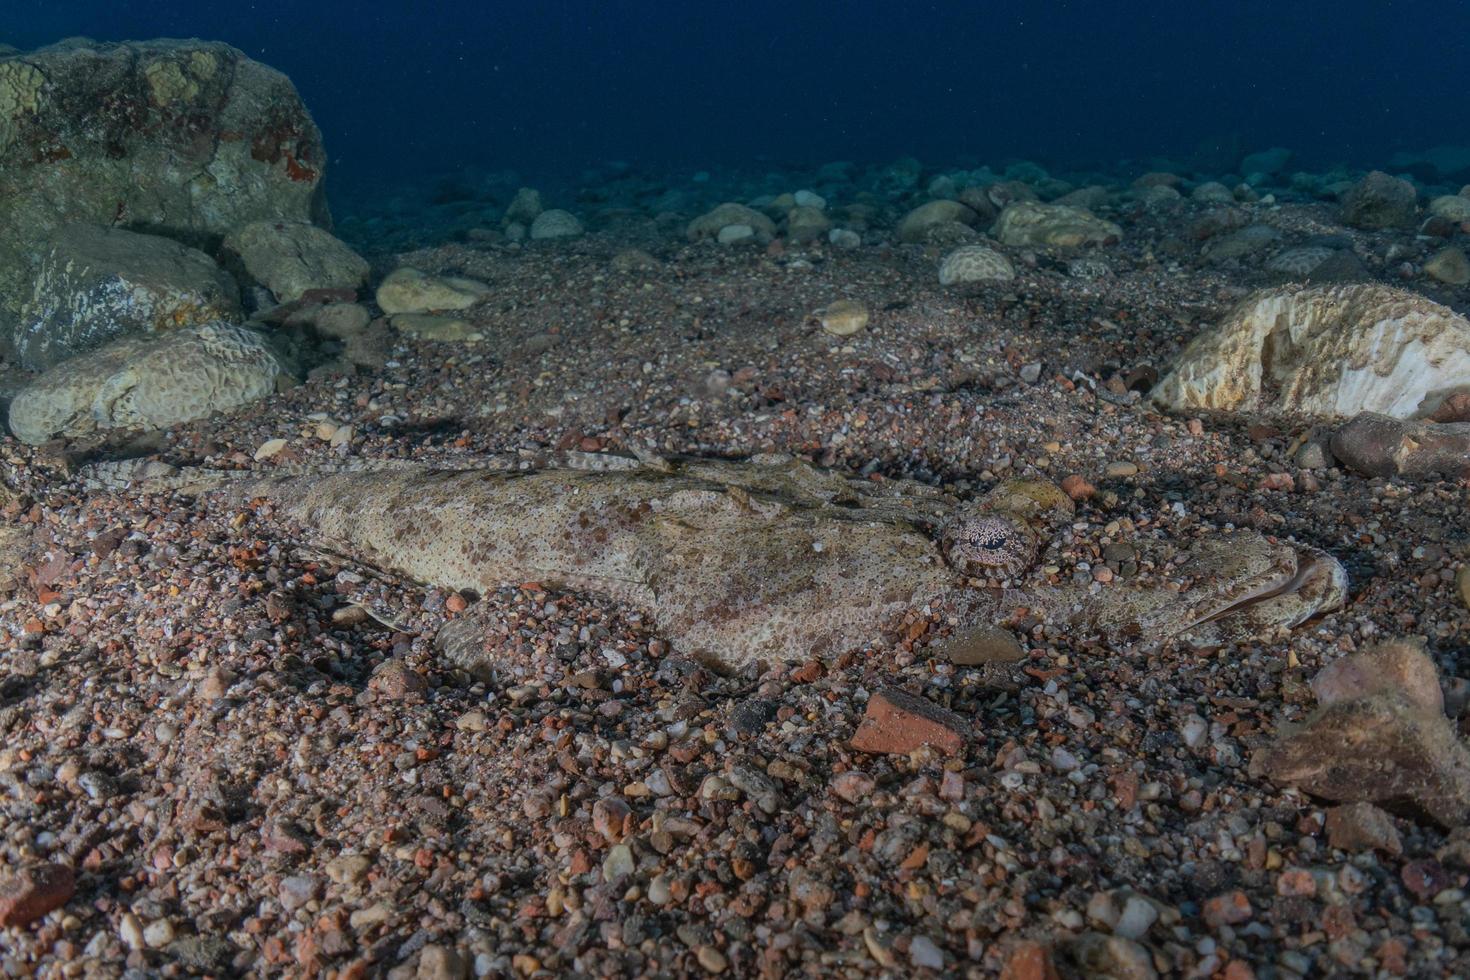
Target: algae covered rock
<point>710,224</point>
<point>290,257</point>
<point>147,383</point>
<point>917,225</point>
<point>189,138</point>
<point>95,284</point>
<point>555,224</point>
<point>1380,201</point>
<point>408,290</point>
<point>1033,224</point>
<point>1325,350</point>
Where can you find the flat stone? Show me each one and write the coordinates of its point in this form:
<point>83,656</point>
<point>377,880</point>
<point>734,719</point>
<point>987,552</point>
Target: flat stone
<point>291,257</point>
<point>984,644</point>
<point>34,891</point>
<point>408,290</point>
<point>898,722</point>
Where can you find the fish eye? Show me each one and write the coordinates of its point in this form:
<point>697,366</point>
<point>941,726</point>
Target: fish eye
<point>993,541</point>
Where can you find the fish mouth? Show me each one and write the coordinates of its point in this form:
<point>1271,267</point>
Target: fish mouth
<point>1317,586</point>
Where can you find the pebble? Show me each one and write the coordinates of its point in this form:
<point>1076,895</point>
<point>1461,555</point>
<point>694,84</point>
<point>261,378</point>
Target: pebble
<point>1121,468</point>
<point>32,892</point>
<point>843,318</point>
<point>619,863</point>
<point>1362,827</point>
<point>711,959</point>
<point>983,644</point>
<point>269,449</point>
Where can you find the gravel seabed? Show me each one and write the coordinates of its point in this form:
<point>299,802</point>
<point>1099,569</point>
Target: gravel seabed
<point>258,765</point>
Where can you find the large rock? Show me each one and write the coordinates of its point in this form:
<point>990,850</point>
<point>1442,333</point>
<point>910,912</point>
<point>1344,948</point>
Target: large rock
<point>709,224</point>
<point>290,257</point>
<point>147,383</point>
<point>1326,350</point>
<point>95,284</point>
<point>1380,201</point>
<point>918,223</point>
<point>191,139</point>
<point>1033,224</point>
<point>1376,445</point>
<point>1379,742</point>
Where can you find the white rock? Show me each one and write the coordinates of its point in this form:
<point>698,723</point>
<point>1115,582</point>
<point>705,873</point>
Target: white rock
<point>730,234</point>
<point>1327,350</point>
<point>844,238</point>
<point>810,199</point>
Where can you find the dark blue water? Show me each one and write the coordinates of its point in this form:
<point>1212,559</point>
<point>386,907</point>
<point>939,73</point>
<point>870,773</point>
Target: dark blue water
<point>552,86</point>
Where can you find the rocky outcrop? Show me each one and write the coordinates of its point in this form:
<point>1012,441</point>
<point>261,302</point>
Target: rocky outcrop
<point>147,383</point>
<point>710,224</point>
<point>95,284</point>
<point>1380,201</point>
<point>1329,350</point>
<point>291,257</point>
<point>1058,225</point>
<point>190,139</point>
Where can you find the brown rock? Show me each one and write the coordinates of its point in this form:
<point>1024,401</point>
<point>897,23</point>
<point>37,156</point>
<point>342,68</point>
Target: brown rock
<point>1029,960</point>
<point>899,722</point>
<point>1362,827</point>
<point>35,891</point>
<point>1397,665</point>
<point>1376,445</point>
<point>395,679</point>
<point>1078,488</point>
<point>1384,748</point>
<point>1111,958</point>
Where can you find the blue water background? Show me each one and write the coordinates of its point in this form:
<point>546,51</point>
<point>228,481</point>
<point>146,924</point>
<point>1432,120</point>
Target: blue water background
<point>554,86</point>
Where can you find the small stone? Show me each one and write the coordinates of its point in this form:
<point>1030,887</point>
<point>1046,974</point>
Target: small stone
<point>1449,266</point>
<point>619,863</point>
<point>1362,827</point>
<point>472,721</point>
<point>1138,917</point>
<point>34,891</point>
<point>609,815</point>
<point>1112,957</point>
<point>1462,583</point>
<point>1078,488</point>
<point>731,234</point>
<point>395,679</point>
<point>130,931</point>
<point>1231,908</point>
<point>711,959</point>
<point>981,644</point>
<point>1121,468</point>
<point>898,722</point>
<point>297,890</point>
<point>843,318</point>
<point>158,933</point>
<point>408,290</point>
<point>853,786</point>
<point>348,869</point>
<point>844,238</point>
<point>438,962</point>
<point>925,954</point>
<point>1029,960</point>
<point>269,449</point>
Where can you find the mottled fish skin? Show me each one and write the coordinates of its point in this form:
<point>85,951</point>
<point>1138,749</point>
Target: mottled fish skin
<point>771,559</point>
<point>731,570</point>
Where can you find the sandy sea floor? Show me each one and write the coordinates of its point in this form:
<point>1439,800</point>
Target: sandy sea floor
<point>259,765</point>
